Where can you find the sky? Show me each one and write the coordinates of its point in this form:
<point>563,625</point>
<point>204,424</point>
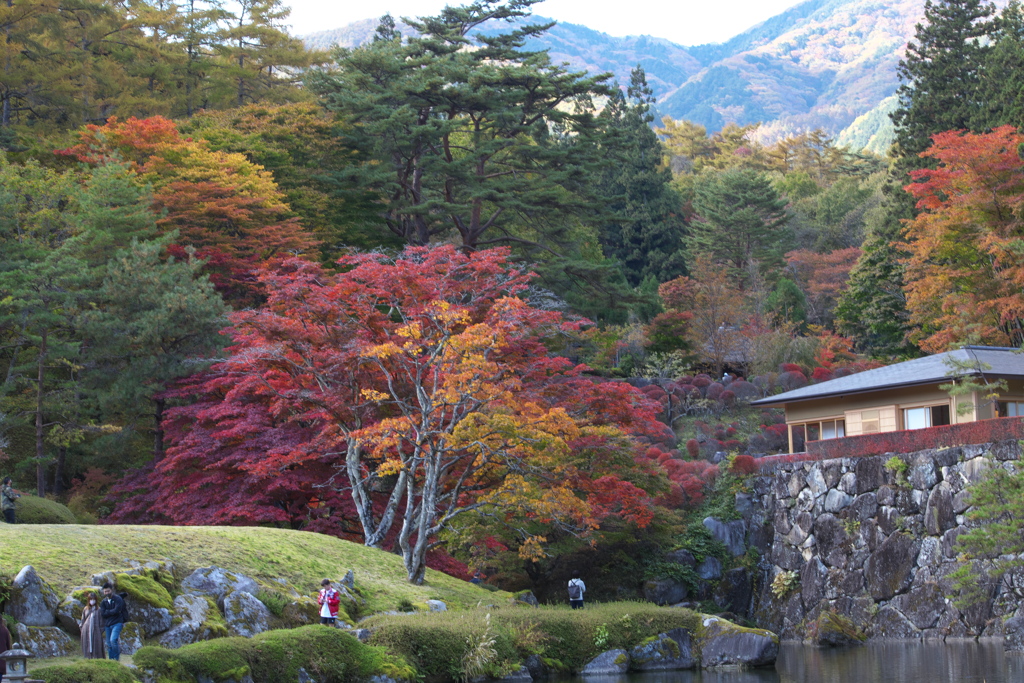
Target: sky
<point>687,22</point>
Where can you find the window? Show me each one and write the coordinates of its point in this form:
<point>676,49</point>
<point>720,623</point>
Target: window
<point>828,429</point>
<point>1011,409</point>
<point>833,429</point>
<point>927,416</point>
<point>869,422</point>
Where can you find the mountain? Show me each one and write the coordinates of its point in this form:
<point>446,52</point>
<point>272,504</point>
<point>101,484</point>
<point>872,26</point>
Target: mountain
<point>827,64</point>
<point>667,65</point>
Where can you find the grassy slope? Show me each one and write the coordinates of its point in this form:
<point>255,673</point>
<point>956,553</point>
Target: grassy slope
<point>66,555</point>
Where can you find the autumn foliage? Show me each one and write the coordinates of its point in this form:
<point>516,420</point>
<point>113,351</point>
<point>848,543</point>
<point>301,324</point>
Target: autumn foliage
<point>418,385</point>
<point>965,273</point>
<point>227,208</point>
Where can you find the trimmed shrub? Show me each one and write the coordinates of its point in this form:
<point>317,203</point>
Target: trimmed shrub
<point>89,671</point>
<point>145,590</point>
<point>35,510</point>
<point>327,654</point>
<point>439,643</point>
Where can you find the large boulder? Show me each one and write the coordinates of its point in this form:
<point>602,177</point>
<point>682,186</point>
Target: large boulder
<point>888,570</point>
<point>725,644</point>
<point>891,624</point>
<point>69,611</point>
<point>132,635</point>
<point>245,615</point>
<point>607,663</point>
<point>1013,634</point>
<point>32,602</point>
<point>44,641</point>
<point>667,652</point>
<point>301,612</point>
<point>732,534</point>
<point>152,620</point>
<point>830,629</point>
<point>217,583</point>
<point>938,513</point>
<point>191,622</point>
<point>664,591</point>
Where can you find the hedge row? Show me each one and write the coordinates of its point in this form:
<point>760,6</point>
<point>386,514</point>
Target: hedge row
<point>911,440</point>
<point>450,645</point>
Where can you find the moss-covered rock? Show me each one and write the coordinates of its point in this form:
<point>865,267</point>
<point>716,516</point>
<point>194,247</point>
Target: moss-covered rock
<point>89,671</point>
<point>327,655</point>
<point>833,630</point>
<point>144,589</point>
<point>301,612</point>
<point>35,510</point>
<point>724,644</point>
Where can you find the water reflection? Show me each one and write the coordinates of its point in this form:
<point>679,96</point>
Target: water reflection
<point>900,662</point>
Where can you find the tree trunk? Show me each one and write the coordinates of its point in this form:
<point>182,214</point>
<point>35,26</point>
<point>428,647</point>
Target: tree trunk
<point>58,475</point>
<point>158,429</point>
<point>40,452</point>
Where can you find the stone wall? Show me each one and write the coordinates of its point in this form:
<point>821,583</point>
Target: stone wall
<point>874,545</point>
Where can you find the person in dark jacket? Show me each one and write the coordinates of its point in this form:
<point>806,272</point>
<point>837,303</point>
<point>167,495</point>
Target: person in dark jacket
<point>112,610</point>
<point>5,645</point>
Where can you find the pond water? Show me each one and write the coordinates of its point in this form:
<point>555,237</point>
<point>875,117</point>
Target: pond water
<point>894,662</point>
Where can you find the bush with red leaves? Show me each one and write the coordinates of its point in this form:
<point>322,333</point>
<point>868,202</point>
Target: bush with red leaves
<point>693,449</point>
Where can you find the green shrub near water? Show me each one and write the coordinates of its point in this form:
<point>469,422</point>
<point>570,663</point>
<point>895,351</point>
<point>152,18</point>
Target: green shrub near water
<point>89,671</point>
<point>328,655</point>
<point>35,510</point>
<point>439,644</point>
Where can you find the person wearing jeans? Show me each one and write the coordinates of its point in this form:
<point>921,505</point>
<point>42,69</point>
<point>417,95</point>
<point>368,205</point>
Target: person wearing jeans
<point>112,610</point>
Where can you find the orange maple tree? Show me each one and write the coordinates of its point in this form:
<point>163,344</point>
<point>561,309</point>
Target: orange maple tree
<point>965,271</point>
<point>229,209</point>
<point>424,380</point>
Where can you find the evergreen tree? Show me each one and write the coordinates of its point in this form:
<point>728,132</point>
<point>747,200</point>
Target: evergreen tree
<point>741,220</point>
<point>941,75</point>
<point>647,235</point>
<point>259,57</point>
<point>873,309</point>
<point>155,320</point>
<point>490,145</point>
<point>1002,82</point>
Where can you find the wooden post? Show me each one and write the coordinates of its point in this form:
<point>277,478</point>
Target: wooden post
<point>789,429</point>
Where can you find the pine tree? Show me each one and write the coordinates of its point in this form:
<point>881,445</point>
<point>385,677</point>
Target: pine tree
<point>741,220</point>
<point>490,145</point>
<point>873,309</point>
<point>1002,81</point>
<point>260,60</point>
<point>647,236</point>
<point>941,75</point>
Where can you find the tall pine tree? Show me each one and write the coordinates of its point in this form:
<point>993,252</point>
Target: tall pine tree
<point>647,235</point>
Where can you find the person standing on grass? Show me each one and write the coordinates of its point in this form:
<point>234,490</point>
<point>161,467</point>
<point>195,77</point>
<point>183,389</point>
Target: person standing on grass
<point>329,599</point>
<point>112,610</point>
<point>576,590</point>
<point>7,497</point>
<point>92,628</point>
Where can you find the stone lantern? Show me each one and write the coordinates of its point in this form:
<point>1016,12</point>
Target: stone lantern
<point>17,663</point>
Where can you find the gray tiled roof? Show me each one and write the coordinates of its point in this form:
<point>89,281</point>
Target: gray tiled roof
<point>1000,362</point>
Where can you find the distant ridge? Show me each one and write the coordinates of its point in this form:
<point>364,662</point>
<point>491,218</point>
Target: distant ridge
<point>827,64</point>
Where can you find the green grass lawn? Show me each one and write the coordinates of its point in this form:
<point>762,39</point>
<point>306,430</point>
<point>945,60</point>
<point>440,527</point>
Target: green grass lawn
<point>66,555</point>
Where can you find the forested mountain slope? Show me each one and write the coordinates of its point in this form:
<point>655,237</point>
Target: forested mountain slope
<point>820,64</point>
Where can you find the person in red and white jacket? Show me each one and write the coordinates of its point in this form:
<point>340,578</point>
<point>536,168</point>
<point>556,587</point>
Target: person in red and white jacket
<point>328,599</point>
